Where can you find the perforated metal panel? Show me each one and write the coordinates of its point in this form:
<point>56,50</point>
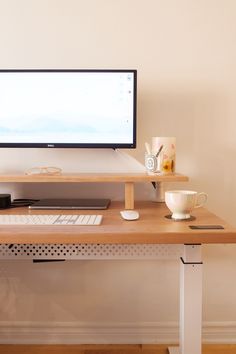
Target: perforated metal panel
<point>89,251</point>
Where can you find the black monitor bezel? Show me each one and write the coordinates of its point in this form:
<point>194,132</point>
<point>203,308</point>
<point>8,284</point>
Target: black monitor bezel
<point>81,145</point>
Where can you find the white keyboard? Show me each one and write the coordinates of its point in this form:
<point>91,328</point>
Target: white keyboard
<point>62,219</point>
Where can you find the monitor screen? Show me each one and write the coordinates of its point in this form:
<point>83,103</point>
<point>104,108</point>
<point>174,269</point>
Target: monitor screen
<point>68,108</point>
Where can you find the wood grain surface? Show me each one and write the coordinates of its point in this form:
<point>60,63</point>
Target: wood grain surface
<point>151,228</point>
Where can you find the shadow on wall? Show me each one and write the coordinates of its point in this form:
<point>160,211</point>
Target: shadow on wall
<point>199,119</point>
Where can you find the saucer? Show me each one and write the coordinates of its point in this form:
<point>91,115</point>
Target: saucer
<point>188,219</point>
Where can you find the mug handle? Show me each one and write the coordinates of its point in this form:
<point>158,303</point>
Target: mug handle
<point>202,194</point>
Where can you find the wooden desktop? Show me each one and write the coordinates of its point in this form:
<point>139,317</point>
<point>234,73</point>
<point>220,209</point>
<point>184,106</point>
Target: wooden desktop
<point>152,228</point>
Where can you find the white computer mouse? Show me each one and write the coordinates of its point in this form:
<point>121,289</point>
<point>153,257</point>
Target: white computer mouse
<point>129,214</point>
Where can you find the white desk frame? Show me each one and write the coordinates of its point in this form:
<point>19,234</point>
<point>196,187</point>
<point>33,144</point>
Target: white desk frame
<point>190,336</point>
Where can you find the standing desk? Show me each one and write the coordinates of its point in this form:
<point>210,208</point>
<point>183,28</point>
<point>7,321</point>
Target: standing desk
<point>153,228</point>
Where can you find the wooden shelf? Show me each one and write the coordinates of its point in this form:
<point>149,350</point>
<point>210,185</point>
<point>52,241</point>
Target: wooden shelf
<point>93,177</point>
<point>128,178</point>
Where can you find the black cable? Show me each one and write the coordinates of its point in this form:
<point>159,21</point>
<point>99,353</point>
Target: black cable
<point>22,202</point>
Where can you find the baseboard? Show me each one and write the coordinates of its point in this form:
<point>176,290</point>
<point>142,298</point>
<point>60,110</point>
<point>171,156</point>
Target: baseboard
<point>108,333</point>
<point>87,333</point>
<point>219,332</point>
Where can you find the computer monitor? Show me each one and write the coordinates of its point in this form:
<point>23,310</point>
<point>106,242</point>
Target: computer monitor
<point>68,108</point>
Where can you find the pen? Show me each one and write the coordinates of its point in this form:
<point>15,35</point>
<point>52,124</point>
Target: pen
<point>158,152</point>
<point>147,146</point>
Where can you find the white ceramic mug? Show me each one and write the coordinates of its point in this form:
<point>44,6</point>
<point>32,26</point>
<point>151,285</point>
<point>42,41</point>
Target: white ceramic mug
<point>182,202</point>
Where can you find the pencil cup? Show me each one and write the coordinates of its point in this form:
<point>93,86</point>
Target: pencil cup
<point>164,148</point>
<point>152,163</point>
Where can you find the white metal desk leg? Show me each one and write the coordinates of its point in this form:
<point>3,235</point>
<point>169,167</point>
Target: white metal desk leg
<point>190,302</point>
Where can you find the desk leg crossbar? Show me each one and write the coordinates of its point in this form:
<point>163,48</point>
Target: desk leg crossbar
<point>190,302</point>
<point>89,251</point>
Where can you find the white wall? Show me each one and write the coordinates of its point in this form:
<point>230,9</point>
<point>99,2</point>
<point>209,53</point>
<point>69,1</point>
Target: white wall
<point>184,51</point>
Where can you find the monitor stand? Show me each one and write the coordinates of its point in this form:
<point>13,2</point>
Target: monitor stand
<point>71,204</point>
